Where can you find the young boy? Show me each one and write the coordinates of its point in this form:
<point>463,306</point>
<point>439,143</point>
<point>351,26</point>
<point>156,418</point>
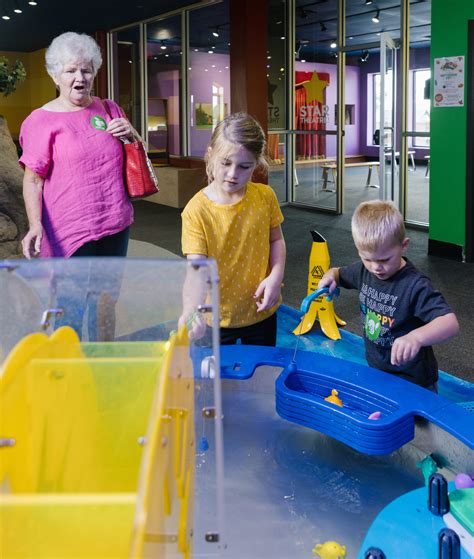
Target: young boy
<point>402,314</point>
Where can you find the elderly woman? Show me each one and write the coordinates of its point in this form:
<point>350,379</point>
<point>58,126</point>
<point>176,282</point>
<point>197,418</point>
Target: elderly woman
<point>73,186</point>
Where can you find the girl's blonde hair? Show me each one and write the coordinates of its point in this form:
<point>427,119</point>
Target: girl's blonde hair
<point>72,47</point>
<point>236,130</point>
<point>376,222</point>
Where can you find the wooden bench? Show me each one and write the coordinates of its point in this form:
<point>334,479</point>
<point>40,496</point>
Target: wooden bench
<point>333,167</point>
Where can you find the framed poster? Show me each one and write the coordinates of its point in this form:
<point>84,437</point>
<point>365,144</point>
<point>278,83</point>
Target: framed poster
<point>449,81</point>
<point>203,115</point>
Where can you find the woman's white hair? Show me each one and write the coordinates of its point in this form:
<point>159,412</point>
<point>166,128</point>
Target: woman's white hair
<point>72,47</point>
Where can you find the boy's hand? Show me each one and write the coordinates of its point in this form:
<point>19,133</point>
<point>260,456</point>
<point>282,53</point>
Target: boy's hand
<point>330,279</point>
<point>267,294</point>
<point>405,348</point>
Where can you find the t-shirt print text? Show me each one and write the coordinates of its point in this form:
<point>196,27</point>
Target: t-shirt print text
<point>379,309</point>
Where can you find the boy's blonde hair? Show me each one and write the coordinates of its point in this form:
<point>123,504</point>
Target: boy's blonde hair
<point>236,130</point>
<point>376,222</point>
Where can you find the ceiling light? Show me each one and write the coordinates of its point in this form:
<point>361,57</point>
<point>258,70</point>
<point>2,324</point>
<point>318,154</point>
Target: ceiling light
<point>333,45</point>
<point>323,27</point>
<point>368,2</point>
<point>17,8</point>
<point>5,17</point>
<point>163,46</point>
<point>376,18</point>
<point>216,32</point>
<point>365,56</point>
<point>32,3</point>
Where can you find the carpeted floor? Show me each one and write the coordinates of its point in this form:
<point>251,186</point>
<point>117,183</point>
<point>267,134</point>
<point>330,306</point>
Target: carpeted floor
<point>161,226</point>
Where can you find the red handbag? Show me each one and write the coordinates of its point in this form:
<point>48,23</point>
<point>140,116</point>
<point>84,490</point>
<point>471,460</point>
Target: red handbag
<point>139,178</point>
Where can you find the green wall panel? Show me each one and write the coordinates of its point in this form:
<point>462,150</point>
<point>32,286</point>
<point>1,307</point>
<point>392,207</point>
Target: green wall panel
<point>448,129</point>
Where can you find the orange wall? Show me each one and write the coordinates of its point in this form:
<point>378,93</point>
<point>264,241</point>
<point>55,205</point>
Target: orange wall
<point>35,91</point>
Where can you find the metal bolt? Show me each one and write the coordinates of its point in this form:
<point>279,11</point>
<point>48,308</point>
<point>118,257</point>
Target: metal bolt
<point>211,537</point>
<point>142,441</point>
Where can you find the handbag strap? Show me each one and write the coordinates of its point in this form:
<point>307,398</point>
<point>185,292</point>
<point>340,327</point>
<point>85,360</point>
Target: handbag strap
<point>105,104</point>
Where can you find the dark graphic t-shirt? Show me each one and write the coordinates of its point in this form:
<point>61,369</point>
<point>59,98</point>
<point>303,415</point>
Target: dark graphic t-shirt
<point>390,309</point>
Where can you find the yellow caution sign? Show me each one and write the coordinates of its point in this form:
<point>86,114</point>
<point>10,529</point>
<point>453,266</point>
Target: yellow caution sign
<point>320,309</point>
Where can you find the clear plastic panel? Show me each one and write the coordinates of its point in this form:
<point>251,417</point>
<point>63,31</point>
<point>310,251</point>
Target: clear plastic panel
<point>110,409</point>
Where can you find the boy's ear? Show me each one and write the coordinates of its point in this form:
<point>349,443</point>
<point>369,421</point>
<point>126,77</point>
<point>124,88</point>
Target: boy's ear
<point>405,243</point>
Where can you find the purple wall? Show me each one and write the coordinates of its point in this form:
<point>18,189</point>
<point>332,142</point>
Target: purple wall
<point>165,85</point>
<point>206,70</point>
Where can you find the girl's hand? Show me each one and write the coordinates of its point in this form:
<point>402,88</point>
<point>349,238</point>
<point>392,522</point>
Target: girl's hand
<point>195,324</point>
<point>120,128</point>
<point>31,243</point>
<point>267,294</point>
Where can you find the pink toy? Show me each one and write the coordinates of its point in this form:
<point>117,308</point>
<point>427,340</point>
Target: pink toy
<point>463,481</point>
<point>375,415</point>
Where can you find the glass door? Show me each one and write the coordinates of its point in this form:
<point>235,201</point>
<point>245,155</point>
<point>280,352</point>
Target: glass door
<point>387,147</point>
<point>313,132</point>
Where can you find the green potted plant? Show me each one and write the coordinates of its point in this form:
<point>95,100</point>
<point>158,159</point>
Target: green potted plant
<point>10,75</point>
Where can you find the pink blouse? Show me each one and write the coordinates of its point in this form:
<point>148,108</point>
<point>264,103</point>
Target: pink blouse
<point>84,197</point>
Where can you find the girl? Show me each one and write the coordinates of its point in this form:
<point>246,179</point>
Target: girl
<point>237,222</point>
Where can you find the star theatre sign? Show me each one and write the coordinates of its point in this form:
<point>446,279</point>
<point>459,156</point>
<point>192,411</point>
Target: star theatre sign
<point>314,113</point>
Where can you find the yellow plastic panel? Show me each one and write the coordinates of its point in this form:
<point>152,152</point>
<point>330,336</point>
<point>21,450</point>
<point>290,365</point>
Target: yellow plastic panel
<point>158,528</point>
<point>103,461</point>
<point>66,526</point>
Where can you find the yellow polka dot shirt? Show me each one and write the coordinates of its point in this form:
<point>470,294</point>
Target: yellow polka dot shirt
<point>238,237</point>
